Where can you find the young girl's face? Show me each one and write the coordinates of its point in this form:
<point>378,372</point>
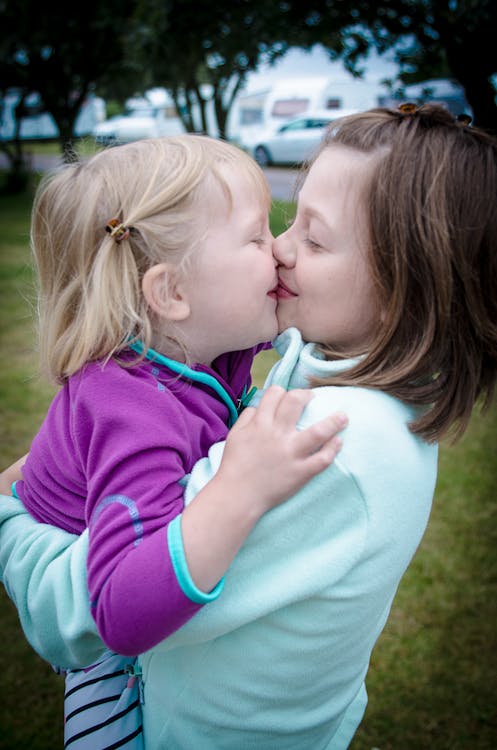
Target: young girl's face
<point>325,287</point>
<point>232,283</point>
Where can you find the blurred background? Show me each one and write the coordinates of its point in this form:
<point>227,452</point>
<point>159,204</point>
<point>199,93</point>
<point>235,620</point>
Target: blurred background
<point>270,76</point>
<point>115,70</point>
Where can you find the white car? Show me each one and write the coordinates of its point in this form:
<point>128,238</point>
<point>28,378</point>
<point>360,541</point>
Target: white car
<point>295,140</point>
<point>149,122</point>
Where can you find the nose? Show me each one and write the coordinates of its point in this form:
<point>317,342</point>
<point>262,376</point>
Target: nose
<point>283,250</point>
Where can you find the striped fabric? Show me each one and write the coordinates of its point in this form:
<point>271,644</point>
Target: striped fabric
<point>102,706</point>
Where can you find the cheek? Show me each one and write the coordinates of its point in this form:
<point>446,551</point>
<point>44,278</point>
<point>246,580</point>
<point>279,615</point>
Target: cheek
<point>364,313</point>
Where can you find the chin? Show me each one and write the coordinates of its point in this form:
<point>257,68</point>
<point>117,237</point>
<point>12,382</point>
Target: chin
<point>272,332</point>
<point>282,324</point>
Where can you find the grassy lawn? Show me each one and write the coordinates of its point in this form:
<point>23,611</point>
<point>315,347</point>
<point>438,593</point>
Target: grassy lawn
<point>433,676</point>
<point>85,146</point>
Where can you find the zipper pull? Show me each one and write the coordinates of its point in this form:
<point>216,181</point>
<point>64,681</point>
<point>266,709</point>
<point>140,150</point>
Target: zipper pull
<point>245,399</point>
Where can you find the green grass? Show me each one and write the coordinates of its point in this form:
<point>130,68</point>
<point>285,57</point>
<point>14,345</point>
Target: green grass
<point>31,705</point>
<point>433,676</point>
<point>85,146</point>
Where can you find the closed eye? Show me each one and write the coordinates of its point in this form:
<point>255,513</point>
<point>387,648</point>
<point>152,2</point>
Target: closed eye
<point>310,243</point>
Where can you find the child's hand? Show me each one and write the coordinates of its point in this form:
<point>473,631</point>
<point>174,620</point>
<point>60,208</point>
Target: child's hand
<point>268,457</point>
<point>265,461</point>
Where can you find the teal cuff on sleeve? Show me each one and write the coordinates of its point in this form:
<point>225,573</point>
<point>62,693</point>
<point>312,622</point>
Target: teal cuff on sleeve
<point>14,491</point>
<point>180,566</point>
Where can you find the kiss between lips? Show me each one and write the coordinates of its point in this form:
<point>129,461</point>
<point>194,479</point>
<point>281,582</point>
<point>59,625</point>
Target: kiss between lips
<point>283,292</point>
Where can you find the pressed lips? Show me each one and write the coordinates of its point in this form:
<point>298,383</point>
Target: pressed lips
<point>273,293</point>
<point>283,292</point>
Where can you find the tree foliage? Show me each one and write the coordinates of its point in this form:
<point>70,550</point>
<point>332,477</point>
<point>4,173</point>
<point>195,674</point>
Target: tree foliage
<point>196,42</point>
<point>203,51</point>
<point>430,38</point>
<point>62,53</point>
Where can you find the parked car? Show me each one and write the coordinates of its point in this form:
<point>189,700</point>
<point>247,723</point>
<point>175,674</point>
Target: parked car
<point>148,122</point>
<point>295,140</point>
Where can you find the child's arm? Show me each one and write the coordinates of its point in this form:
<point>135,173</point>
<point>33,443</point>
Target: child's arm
<point>148,571</point>
<point>43,570</point>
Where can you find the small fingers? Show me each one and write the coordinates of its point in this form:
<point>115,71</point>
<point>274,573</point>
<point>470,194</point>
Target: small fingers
<point>291,406</point>
<point>265,411</point>
<point>283,408</point>
<point>323,457</point>
<point>244,417</point>
<point>318,435</point>
<point>270,400</point>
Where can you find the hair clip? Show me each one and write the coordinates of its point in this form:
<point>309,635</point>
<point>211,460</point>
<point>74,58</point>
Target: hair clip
<point>464,119</point>
<point>117,230</point>
<point>408,108</point>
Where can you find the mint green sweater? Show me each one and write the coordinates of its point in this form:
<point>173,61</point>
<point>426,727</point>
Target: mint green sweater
<point>279,661</point>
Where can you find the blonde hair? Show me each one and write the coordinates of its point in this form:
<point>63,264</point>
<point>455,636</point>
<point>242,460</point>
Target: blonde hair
<point>431,198</point>
<point>90,300</point>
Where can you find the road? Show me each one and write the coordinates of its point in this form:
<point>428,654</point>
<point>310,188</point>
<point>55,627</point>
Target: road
<point>281,181</point>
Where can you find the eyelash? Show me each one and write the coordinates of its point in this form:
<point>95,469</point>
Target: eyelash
<point>307,240</point>
<point>260,241</point>
<point>310,243</point>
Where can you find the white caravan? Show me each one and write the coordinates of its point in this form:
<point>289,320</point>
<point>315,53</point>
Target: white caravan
<point>268,108</point>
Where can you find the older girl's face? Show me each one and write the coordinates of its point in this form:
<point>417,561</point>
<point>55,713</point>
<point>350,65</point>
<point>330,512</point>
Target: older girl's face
<point>325,287</point>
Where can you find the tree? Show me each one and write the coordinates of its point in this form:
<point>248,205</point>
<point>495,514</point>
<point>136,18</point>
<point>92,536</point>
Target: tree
<point>445,38</point>
<point>18,175</point>
<point>458,37</point>
<point>62,55</point>
<point>202,52</point>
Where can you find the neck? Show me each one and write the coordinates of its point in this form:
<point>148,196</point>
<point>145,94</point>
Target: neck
<point>170,347</point>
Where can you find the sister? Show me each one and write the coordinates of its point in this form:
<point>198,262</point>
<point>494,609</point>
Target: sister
<point>391,266</point>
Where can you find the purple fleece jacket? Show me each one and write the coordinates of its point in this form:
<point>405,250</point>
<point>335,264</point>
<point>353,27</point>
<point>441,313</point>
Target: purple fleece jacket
<point>110,455</point>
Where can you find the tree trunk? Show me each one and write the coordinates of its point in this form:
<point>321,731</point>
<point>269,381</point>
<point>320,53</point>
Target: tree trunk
<point>69,153</point>
<point>220,111</point>
<point>19,166</point>
<point>201,103</point>
<point>19,170</point>
<point>185,117</point>
<point>190,103</point>
<point>224,101</point>
<point>64,121</point>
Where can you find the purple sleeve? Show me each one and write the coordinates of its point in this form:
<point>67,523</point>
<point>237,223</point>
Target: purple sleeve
<point>134,446</point>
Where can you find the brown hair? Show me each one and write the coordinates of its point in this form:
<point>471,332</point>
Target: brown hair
<point>432,203</point>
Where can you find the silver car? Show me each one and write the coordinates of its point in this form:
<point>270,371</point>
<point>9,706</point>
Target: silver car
<point>148,122</point>
<point>295,140</point>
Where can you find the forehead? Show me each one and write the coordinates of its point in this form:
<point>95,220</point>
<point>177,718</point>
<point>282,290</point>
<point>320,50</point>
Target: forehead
<point>339,175</point>
<point>233,187</point>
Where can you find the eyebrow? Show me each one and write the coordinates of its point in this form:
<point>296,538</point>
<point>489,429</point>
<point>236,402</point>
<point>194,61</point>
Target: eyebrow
<point>255,221</point>
<point>312,213</point>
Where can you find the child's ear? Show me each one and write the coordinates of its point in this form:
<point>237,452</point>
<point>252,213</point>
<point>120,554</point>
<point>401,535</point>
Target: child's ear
<point>165,293</point>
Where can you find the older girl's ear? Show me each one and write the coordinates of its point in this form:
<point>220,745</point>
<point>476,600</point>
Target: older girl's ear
<point>165,293</point>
